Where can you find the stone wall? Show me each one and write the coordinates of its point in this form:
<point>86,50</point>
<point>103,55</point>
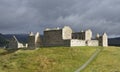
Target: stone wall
<point>14,43</point>
<point>103,40</point>
<point>66,33</point>
<point>34,41</point>
<point>53,38</point>
<point>31,42</point>
<point>74,42</point>
<point>38,41</point>
<point>78,35</point>
<point>66,37</point>
<point>88,34</point>
<point>67,43</point>
<point>92,43</point>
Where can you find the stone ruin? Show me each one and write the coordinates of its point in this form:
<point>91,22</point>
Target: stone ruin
<point>14,43</point>
<point>66,37</point>
<point>34,41</point>
<point>62,37</point>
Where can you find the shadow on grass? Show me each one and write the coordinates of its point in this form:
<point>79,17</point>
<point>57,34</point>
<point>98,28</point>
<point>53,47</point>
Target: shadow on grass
<point>9,50</point>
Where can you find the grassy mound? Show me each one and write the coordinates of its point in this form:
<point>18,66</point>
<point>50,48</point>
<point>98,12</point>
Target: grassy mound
<point>54,59</point>
<point>107,61</point>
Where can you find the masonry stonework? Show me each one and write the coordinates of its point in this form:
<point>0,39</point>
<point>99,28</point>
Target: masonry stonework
<point>92,43</point>
<point>14,43</point>
<point>103,40</point>
<point>66,37</point>
<point>66,33</point>
<point>63,37</point>
<point>34,41</point>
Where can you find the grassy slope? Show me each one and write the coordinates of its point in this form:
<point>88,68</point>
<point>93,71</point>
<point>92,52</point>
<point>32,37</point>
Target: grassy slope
<point>107,61</point>
<point>56,59</point>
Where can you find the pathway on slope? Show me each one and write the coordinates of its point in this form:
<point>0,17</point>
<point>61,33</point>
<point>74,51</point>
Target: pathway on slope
<point>89,60</point>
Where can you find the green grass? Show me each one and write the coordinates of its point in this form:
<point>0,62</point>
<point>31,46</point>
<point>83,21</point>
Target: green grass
<point>54,59</point>
<point>107,61</point>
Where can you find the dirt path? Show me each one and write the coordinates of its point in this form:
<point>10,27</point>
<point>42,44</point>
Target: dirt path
<point>89,60</point>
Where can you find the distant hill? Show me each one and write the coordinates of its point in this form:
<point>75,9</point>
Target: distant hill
<point>114,41</point>
<point>4,38</point>
<point>3,41</point>
<point>21,37</point>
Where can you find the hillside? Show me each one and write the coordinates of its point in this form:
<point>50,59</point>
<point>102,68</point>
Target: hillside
<point>59,59</point>
<point>21,37</point>
<point>107,61</point>
<point>114,41</point>
<point>54,59</point>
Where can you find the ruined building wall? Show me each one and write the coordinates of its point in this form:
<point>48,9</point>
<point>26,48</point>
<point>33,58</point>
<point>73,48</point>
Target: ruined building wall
<point>66,37</point>
<point>56,37</point>
<point>31,41</point>
<point>92,43</point>
<point>66,33</point>
<point>76,42</point>
<point>38,41</point>
<point>34,41</point>
<point>13,44</point>
<point>53,38</point>
<point>103,40</point>
<point>78,35</point>
<point>88,34</point>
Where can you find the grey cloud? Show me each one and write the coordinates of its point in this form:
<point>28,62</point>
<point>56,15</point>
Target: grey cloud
<point>17,16</point>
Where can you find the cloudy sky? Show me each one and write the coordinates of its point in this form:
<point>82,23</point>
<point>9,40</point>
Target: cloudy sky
<point>23,16</point>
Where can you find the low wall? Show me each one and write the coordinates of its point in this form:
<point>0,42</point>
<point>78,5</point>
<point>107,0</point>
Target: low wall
<point>92,43</point>
<point>76,42</point>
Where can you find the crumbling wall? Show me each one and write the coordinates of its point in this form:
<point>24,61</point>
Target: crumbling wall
<point>31,42</point>
<point>13,44</point>
<point>103,40</point>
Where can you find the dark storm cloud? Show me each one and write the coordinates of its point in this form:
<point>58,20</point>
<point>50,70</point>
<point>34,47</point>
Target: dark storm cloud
<point>21,16</point>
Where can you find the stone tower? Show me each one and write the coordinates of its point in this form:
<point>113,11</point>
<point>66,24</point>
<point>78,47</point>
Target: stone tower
<point>66,33</point>
<point>34,40</point>
<point>103,40</point>
<point>38,42</point>
<point>88,34</point>
<point>31,41</point>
